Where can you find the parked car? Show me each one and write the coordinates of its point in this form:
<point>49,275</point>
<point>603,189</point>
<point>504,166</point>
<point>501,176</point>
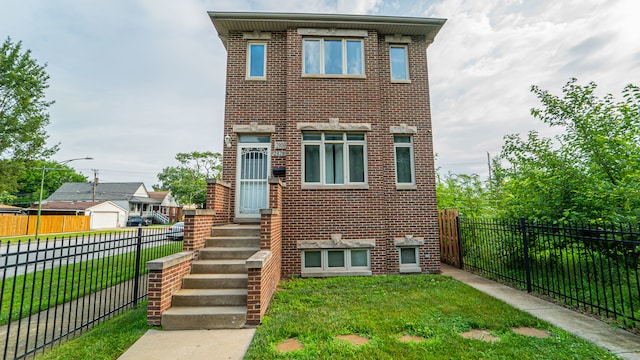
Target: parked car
<point>176,231</point>
<point>137,221</point>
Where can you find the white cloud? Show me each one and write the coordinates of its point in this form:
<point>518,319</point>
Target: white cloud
<point>135,82</point>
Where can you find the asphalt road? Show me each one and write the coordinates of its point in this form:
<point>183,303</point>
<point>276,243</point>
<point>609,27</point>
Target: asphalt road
<point>28,257</point>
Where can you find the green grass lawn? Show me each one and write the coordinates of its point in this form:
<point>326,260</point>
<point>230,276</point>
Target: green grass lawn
<point>108,340</point>
<point>384,308</point>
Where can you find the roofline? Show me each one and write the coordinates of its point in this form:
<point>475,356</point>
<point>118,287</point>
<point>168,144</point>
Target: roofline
<point>331,20</point>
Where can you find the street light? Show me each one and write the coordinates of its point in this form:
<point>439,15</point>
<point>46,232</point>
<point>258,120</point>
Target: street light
<point>44,169</point>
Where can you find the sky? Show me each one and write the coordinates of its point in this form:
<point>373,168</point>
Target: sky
<point>137,81</point>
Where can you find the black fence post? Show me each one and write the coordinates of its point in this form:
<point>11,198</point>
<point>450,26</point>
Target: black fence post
<point>525,242</point>
<point>136,280</point>
<point>458,235</point>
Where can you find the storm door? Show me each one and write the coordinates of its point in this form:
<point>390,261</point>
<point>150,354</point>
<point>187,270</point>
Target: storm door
<point>253,164</point>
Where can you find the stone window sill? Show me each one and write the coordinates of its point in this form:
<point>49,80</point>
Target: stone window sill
<point>335,187</point>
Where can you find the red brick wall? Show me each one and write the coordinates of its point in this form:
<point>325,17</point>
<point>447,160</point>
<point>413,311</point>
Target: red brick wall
<point>262,282</point>
<point>219,200</point>
<point>197,227</point>
<point>286,99</point>
<point>163,283</point>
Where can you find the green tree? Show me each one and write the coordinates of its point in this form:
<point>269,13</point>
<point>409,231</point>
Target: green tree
<point>55,175</point>
<point>589,171</point>
<point>467,193</point>
<point>188,181</point>
<point>23,113</point>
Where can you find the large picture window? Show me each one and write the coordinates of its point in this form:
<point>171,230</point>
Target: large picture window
<point>403,145</point>
<point>334,158</point>
<point>256,61</point>
<point>333,57</point>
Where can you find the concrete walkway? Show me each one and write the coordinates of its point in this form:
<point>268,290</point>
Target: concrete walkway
<point>619,342</point>
<point>233,343</point>
<point>229,344</point>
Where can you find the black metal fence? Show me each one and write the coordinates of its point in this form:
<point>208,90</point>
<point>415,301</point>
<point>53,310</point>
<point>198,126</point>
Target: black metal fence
<point>592,267</point>
<point>57,288</point>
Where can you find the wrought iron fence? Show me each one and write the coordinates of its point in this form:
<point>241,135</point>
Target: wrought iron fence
<point>592,267</point>
<point>57,288</point>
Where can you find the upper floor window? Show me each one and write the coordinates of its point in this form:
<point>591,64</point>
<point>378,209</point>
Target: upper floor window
<point>256,61</point>
<point>329,56</point>
<point>403,145</point>
<point>399,58</point>
<point>334,158</point>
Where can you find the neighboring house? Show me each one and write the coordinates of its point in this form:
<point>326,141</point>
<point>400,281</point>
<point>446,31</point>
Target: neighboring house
<point>131,196</point>
<point>337,107</point>
<point>168,206</point>
<point>104,214</point>
<point>9,210</point>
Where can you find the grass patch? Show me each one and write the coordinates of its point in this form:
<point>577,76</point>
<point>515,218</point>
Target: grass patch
<point>43,289</point>
<point>385,308</point>
<point>108,340</point>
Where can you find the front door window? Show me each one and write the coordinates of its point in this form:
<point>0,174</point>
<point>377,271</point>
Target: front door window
<point>252,177</point>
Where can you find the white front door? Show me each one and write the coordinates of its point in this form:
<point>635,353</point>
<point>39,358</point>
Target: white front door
<point>253,164</point>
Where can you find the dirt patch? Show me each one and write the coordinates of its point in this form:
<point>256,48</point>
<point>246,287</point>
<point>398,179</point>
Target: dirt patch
<point>409,338</point>
<point>290,345</point>
<point>526,331</point>
<point>353,339</point>
<point>483,335</point>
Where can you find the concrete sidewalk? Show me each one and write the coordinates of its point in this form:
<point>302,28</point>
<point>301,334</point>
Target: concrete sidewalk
<point>619,342</point>
<point>228,344</point>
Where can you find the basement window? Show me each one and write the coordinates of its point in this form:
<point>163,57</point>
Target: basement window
<point>332,262</point>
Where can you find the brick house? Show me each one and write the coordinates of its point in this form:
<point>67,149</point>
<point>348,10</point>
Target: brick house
<point>328,145</point>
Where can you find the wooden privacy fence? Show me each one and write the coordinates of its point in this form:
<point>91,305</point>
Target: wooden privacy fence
<point>449,240</point>
<point>26,225</point>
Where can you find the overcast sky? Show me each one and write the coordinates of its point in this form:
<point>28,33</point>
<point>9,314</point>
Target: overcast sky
<point>137,81</point>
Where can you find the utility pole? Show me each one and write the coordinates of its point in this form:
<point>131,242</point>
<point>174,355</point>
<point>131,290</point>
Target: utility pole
<point>489,165</point>
<point>95,183</point>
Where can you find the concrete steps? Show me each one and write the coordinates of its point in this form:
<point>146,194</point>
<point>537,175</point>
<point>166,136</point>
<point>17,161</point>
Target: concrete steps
<point>214,295</point>
<point>204,317</point>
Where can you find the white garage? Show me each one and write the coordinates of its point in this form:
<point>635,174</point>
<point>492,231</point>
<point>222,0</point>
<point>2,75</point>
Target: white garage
<point>106,215</point>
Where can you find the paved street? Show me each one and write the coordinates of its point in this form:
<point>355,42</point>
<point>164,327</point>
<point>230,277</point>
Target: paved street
<point>28,257</point>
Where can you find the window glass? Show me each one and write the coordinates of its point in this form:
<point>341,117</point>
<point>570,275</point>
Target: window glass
<point>403,165</point>
<point>254,138</point>
<point>311,136</point>
<point>333,136</point>
<point>359,258</point>
<point>398,56</point>
<point>330,159</point>
<point>335,258</point>
<point>334,160</point>
<point>354,57</point>
<point>312,163</point>
<point>312,56</point>
<point>312,259</point>
<point>356,163</point>
<point>408,256</point>
<point>333,56</point>
<point>257,60</point>
<point>403,145</point>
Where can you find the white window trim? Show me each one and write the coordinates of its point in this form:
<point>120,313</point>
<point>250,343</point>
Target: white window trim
<point>406,64</point>
<point>264,70</point>
<point>409,267</point>
<point>347,183</point>
<point>412,184</point>
<point>344,59</point>
<point>325,271</point>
